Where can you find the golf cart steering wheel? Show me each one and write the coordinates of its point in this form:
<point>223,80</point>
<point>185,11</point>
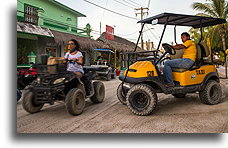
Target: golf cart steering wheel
<point>169,49</point>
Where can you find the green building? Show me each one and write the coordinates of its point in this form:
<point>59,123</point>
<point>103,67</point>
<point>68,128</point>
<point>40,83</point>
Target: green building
<point>44,26</point>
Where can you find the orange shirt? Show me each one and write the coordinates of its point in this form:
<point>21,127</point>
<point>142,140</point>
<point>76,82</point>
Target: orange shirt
<point>190,50</point>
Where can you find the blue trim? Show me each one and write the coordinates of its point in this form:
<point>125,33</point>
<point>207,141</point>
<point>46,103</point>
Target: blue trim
<point>103,50</point>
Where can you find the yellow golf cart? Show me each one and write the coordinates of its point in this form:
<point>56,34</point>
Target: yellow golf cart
<point>143,79</point>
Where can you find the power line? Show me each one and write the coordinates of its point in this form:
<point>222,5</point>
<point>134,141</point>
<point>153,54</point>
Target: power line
<point>110,10</point>
<point>130,3</point>
<point>135,3</point>
<point>142,12</point>
<point>124,4</point>
<point>148,6</point>
<point>129,34</point>
<point>116,34</point>
<point>152,33</point>
<point>120,35</point>
<point>104,10</point>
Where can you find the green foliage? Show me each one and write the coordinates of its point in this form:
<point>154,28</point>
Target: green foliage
<point>21,55</point>
<point>217,9</point>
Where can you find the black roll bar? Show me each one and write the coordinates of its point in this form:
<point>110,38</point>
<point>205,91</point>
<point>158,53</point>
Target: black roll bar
<point>201,31</point>
<point>140,33</point>
<point>175,34</point>
<point>159,44</point>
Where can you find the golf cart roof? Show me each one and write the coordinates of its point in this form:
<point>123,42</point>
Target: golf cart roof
<point>183,20</point>
<point>103,50</point>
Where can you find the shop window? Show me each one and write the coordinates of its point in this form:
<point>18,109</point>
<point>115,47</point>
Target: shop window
<point>31,14</point>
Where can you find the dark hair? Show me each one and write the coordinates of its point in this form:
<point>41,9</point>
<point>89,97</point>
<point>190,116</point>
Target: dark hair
<point>78,47</point>
<point>185,34</point>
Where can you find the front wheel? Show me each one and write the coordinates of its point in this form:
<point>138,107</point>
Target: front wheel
<point>141,99</point>
<point>99,92</point>
<point>211,94</point>
<point>29,104</point>
<point>121,95</point>
<point>75,101</point>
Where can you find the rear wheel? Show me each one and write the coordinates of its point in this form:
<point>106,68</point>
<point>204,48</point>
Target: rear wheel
<point>114,75</point>
<point>75,101</point>
<point>121,95</point>
<point>99,93</point>
<point>108,77</point>
<point>179,95</point>
<point>29,103</point>
<point>141,99</point>
<point>211,94</point>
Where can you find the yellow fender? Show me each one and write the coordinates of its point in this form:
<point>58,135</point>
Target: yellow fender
<point>141,69</point>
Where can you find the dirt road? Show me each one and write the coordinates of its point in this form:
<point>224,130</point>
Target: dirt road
<point>172,115</point>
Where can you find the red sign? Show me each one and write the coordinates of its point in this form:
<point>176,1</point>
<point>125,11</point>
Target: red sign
<point>109,32</point>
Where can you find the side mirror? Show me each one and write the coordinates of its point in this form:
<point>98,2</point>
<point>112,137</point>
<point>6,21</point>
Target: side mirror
<point>154,22</point>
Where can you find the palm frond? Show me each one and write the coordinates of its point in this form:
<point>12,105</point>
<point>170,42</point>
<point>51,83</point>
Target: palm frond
<point>220,7</point>
<point>206,8</point>
<point>203,14</point>
<point>226,10</point>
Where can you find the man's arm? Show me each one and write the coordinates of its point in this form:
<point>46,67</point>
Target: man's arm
<point>179,46</point>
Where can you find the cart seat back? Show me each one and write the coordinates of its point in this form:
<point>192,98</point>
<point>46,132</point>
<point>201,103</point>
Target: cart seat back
<point>202,50</point>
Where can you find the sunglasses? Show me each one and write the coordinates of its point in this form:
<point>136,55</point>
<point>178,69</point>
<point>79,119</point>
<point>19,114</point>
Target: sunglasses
<point>71,44</point>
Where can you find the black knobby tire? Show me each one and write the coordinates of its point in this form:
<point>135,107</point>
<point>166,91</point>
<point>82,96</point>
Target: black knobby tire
<point>211,94</point>
<point>19,94</point>
<point>141,99</point>
<point>75,101</point>
<point>108,77</point>
<point>99,92</point>
<point>29,104</point>
<point>120,95</point>
<point>179,95</point>
<point>113,76</point>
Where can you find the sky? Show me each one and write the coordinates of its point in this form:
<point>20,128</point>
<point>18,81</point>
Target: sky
<point>9,138</point>
<point>127,27</point>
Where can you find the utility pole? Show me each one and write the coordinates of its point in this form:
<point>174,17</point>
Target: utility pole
<point>100,28</point>
<point>142,12</point>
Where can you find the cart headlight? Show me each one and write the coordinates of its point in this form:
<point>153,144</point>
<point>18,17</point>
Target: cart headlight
<point>60,80</point>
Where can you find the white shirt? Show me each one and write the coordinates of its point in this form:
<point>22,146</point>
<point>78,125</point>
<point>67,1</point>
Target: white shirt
<point>75,67</point>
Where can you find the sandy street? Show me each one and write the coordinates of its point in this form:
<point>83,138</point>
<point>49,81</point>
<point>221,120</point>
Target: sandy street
<point>172,115</point>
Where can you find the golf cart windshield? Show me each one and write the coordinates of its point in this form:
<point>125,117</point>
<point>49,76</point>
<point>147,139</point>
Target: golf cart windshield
<point>183,20</point>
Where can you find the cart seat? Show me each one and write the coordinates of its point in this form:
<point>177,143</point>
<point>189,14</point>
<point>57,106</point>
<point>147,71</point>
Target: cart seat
<point>200,47</point>
<point>179,69</point>
<point>184,69</point>
<point>206,55</point>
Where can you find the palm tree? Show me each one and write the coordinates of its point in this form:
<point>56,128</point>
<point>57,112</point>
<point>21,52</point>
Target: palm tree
<point>217,9</point>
